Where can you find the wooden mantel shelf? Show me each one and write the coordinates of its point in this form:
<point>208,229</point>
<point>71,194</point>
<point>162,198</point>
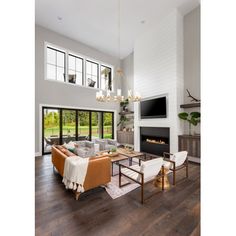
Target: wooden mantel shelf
<point>196,104</point>
<point>126,113</point>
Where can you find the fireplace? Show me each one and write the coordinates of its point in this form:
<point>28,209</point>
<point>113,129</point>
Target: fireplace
<point>154,140</point>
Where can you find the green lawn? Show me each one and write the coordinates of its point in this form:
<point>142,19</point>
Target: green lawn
<point>83,130</point>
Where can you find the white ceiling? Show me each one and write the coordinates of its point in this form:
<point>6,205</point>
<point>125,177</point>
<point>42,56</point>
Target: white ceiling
<point>95,22</point>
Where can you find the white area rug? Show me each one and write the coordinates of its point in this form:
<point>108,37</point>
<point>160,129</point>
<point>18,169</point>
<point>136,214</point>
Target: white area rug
<point>113,189</point>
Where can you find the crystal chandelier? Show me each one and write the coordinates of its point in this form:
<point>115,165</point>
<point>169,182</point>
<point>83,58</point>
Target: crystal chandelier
<point>119,74</point>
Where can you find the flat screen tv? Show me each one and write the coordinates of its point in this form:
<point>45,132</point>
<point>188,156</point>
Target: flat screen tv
<point>153,108</point>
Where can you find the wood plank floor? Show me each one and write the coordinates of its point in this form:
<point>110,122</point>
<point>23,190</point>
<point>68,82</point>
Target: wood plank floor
<point>174,212</point>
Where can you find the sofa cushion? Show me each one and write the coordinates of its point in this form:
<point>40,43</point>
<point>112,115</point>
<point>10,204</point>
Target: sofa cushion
<point>101,143</point>
<point>65,151</point>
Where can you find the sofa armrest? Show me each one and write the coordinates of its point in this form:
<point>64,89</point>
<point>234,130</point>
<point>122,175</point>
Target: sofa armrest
<point>112,142</point>
<point>89,144</point>
<point>98,173</point>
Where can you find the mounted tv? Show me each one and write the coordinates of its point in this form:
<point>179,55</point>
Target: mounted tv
<point>153,108</point>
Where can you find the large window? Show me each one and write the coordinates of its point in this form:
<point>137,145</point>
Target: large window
<point>107,124</point>
<point>68,125</point>
<point>55,64</point>
<point>92,74</point>
<point>83,125</point>
<point>75,73</point>
<point>51,128</point>
<point>62,125</point>
<point>96,125</point>
<point>66,66</point>
<point>106,78</point>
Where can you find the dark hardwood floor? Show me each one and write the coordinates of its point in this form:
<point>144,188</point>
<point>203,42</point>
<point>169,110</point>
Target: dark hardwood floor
<point>174,212</point>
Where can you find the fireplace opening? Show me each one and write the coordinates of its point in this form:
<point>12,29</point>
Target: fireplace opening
<point>154,140</point>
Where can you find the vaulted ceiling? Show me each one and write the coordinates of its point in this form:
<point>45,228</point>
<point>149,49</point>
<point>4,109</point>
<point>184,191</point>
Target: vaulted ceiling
<point>95,22</point>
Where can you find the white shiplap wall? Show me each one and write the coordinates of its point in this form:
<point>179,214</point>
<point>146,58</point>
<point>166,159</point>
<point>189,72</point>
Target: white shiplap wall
<point>158,70</point>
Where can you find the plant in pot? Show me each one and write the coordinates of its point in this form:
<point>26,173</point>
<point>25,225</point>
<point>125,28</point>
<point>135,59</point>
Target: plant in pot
<point>123,120</point>
<point>193,118</point>
<point>124,104</point>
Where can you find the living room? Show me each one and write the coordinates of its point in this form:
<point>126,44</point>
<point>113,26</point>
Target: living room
<point>109,116</point>
<point>118,131</point>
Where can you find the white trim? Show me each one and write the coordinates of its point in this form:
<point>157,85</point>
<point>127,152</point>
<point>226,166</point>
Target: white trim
<point>77,85</point>
<point>85,58</point>
<point>37,154</point>
<point>71,107</point>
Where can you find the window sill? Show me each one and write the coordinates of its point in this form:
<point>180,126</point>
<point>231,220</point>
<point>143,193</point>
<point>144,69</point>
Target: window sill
<point>77,85</point>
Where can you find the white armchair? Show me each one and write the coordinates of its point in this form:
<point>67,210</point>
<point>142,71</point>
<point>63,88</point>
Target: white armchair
<point>143,174</point>
<point>175,162</point>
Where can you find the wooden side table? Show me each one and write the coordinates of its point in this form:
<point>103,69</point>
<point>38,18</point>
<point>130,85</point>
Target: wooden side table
<point>157,181</point>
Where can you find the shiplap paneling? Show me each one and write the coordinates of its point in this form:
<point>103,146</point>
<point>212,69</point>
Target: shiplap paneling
<point>158,70</point>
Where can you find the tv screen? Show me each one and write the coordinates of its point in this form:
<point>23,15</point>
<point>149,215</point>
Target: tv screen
<point>153,108</point>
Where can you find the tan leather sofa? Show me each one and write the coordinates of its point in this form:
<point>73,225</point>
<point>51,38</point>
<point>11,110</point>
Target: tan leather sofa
<point>98,172</point>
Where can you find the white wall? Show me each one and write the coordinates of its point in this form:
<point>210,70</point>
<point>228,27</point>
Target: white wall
<point>61,94</point>
<point>158,70</point>
<point>192,70</point>
<point>127,64</point>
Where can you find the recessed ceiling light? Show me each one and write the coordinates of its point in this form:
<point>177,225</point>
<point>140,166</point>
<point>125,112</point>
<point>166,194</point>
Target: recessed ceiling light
<point>59,18</point>
<point>142,21</point>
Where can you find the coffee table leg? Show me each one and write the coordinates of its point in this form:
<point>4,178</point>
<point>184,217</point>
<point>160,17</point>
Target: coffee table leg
<point>112,169</point>
<point>130,161</point>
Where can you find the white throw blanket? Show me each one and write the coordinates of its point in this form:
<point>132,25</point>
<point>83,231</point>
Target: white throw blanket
<point>75,170</point>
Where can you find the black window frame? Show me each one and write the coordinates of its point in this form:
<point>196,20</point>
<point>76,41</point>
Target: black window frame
<point>60,110</point>
<point>68,69</point>
<point>57,50</point>
<point>98,76</point>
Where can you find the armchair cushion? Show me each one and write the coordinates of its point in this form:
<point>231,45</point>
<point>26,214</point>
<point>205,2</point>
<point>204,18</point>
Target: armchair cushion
<point>132,174</point>
<point>149,169</point>
<point>179,158</point>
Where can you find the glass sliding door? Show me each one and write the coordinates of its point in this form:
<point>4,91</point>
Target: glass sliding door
<point>83,125</point>
<point>96,124</point>
<point>62,125</point>
<point>68,125</point>
<point>107,125</point>
<point>51,128</point>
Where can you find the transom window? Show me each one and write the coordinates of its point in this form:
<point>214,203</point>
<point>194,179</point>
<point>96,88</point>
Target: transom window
<point>106,78</point>
<point>92,74</point>
<point>75,72</point>
<point>65,66</point>
<point>55,64</point>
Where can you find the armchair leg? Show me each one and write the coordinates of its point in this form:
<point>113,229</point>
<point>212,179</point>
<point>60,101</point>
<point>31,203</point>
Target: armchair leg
<point>142,186</point>
<point>174,177</point>
<point>142,193</point>
<point>119,176</point>
<point>187,168</point>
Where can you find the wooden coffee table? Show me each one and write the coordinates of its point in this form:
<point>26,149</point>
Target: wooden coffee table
<point>116,160</point>
<point>132,154</point>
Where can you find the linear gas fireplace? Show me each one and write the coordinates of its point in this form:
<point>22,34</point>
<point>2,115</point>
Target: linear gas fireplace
<point>154,140</point>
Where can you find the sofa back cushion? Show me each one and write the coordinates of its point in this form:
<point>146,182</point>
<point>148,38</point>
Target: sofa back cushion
<point>102,144</point>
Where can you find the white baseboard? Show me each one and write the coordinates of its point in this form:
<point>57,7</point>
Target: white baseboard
<point>38,154</point>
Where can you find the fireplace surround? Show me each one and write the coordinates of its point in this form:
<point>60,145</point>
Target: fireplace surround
<point>155,140</point>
